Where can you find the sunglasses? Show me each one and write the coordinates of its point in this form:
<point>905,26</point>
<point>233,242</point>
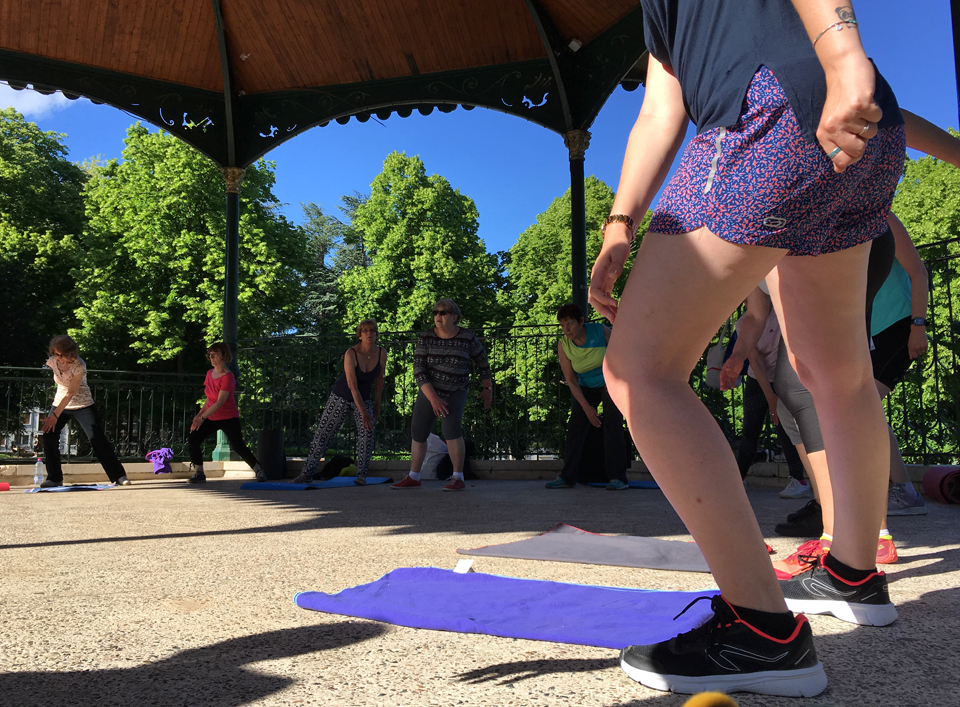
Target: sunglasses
<point>441,312</point>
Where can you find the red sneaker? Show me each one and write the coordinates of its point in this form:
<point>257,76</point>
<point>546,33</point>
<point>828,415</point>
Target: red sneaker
<point>886,550</point>
<point>803,559</point>
<point>407,483</point>
<point>454,484</point>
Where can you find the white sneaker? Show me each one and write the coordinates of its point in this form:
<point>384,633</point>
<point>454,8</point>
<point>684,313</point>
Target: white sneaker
<point>797,489</point>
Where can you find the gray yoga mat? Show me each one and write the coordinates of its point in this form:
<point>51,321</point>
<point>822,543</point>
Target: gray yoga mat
<point>566,543</point>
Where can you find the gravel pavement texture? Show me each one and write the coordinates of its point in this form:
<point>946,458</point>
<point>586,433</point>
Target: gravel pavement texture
<point>162,593</point>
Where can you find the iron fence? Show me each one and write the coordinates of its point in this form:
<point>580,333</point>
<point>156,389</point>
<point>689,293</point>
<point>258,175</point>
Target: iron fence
<point>285,382</point>
<point>140,411</point>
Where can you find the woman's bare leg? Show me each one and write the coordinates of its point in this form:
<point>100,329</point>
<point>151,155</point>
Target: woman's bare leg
<point>679,292</point>
<point>820,479</point>
<point>820,304</point>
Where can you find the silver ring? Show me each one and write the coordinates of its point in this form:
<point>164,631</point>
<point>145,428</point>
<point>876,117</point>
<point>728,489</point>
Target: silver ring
<point>833,153</point>
<point>865,129</point>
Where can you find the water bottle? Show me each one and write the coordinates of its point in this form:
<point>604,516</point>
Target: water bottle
<point>38,473</point>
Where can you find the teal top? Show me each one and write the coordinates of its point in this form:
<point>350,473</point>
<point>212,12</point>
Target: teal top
<point>892,302</point>
<point>587,360</point>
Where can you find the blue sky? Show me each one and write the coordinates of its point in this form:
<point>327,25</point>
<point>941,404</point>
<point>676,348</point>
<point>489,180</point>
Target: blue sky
<point>511,168</point>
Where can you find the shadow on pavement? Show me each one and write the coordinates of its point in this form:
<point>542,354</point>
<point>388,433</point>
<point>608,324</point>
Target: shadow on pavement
<point>911,662</point>
<point>212,676</point>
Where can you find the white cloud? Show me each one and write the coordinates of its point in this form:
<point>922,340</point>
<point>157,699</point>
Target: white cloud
<point>32,104</point>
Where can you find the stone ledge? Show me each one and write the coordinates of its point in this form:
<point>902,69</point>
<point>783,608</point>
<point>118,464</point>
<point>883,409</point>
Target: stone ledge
<point>763,475</point>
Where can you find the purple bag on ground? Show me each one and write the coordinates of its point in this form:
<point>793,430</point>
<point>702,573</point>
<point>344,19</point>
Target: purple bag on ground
<point>160,458</point>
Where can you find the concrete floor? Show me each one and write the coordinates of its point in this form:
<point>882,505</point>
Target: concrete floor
<point>165,594</point>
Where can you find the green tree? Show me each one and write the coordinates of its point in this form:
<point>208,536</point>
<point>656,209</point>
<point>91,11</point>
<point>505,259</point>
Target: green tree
<point>151,282</point>
<point>924,414</point>
<point>41,215</point>
<point>334,246</point>
<point>540,277</point>
<point>420,235</point>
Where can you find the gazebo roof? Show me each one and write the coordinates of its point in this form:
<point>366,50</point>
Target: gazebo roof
<point>235,78</point>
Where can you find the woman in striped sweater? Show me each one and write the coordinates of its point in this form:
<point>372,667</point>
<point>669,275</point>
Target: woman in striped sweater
<point>441,366</point>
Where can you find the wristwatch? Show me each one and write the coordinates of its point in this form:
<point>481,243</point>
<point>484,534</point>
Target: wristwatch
<point>918,321</point>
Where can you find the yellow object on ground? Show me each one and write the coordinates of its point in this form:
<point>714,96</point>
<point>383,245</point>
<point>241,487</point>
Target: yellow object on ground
<point>710,699</point>
<point>350,470</point>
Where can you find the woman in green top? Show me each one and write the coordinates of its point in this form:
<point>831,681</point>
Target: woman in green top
<point>581,353</point>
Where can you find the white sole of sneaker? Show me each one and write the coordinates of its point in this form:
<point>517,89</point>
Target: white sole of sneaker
<point>805,682</point>
<point>912,511</point>
<point>860,614</point>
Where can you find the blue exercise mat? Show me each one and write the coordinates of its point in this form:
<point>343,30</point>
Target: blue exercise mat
<point>443,600</point>
<point>335,483</point>
<point>635,484</point>
<point>75,487</point>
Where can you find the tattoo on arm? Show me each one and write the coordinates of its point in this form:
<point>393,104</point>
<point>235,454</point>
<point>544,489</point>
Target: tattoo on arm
<point>846,13</point>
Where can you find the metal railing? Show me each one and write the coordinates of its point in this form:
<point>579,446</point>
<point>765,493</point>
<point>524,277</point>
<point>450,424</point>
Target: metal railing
<point>285,382</point>
<point>140,411</point>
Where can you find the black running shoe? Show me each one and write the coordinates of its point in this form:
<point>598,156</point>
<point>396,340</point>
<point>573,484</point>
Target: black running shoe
<point>198,478</point>
<point>820,591</point>
<point>728,655</point>
<point>809,508</point>
<point>804,523</point>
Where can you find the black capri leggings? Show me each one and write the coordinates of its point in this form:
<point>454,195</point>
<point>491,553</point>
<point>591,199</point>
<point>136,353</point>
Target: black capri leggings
<point>231,428</point>
<point>451,424</point>
<point>795,407</point>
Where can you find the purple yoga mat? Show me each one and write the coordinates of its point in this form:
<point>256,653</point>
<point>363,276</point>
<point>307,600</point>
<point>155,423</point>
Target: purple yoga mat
<point>427,597</point>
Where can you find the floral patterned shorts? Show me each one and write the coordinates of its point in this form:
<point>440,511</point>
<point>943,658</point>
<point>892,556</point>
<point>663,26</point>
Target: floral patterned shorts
<point>761,183</point>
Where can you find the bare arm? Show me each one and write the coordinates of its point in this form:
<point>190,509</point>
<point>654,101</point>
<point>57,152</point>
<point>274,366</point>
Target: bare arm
<point>752,323</point>
<point>350,371</point>
<point>570,376</point>
<point>925,136</point>
<point>654,141</point>
<point>50,422</point>
<point>909,258</point>
<point>850,114</point>
<point>217,404</point>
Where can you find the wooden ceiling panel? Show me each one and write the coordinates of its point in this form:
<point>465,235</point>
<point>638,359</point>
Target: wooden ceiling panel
<point>300,43</point>
<point>586,20</point>
<point>276,45</point>
<point>171,41</point>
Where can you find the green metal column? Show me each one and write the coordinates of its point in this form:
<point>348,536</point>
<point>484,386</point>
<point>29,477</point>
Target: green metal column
<point>233,176</point>
<point>577,142</point>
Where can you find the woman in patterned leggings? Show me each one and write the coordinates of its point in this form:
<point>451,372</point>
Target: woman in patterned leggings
<point>363,367</point>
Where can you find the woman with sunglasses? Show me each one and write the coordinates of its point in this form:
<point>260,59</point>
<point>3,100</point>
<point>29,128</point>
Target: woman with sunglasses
<point>363,367</point>
<point>441,365</point>
<point>220,412</point>
<point>74,400</point>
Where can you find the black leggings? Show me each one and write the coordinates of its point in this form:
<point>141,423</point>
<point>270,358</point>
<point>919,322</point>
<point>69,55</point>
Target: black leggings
<point>614,444</point>
<point>795,409</point>
<point>754,415</point>
<point>231,428</point>
<point>89,420</point>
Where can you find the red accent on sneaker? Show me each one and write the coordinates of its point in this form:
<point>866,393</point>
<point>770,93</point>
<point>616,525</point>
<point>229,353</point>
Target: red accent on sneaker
<point>407,483</point>
<point>801,620</point>
<point>851,584</point>
<point>454,484</point>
